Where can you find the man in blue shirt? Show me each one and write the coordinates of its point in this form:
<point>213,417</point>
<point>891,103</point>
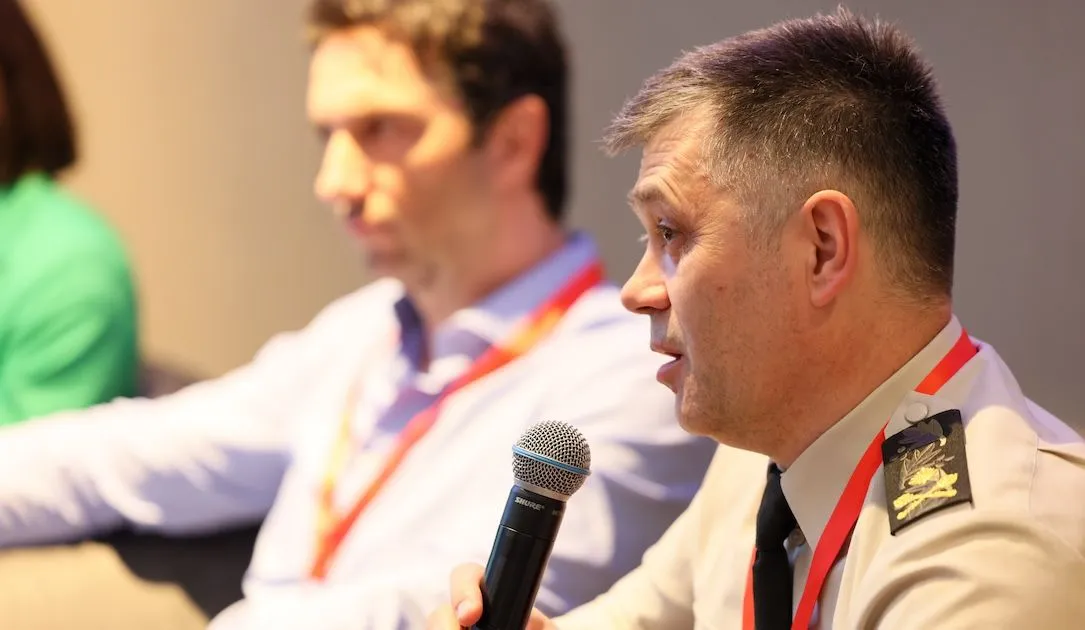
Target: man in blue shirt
<point>444,124</point>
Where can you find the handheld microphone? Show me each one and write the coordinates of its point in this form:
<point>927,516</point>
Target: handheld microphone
<point>550,462</point>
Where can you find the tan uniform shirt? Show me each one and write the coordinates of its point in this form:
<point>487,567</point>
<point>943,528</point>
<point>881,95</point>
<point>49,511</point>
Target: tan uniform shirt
<point>1011,558</point>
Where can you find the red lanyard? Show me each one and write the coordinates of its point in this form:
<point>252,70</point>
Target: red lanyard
<point>846,512</point>
<point>332,528</point>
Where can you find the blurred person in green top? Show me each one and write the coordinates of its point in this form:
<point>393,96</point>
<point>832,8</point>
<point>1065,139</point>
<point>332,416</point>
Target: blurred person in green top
<point>68,333</point>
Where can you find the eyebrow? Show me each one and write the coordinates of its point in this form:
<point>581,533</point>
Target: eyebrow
<point>647,195</point>
<point>324,126</point>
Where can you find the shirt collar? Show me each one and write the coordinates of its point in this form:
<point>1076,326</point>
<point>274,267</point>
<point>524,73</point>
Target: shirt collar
<point>470,330</point>
<point>815,481</point>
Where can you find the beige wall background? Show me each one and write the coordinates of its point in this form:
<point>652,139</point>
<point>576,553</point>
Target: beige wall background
<point>195,144</point>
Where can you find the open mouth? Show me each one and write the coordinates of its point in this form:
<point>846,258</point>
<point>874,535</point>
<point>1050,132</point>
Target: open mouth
<point>667,373</point>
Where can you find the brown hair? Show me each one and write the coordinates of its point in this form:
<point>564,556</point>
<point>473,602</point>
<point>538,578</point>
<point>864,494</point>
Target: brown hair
<point>496,51</point>
<point>827,102</point>
<point>36,130</point>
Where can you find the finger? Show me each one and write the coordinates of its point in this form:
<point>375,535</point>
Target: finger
<point>466,592</point>
<point>538,622</point>
<point>444,618</point>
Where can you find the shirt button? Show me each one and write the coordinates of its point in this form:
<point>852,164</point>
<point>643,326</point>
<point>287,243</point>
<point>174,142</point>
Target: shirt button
<point>795,539</point>
<point>915,412</point>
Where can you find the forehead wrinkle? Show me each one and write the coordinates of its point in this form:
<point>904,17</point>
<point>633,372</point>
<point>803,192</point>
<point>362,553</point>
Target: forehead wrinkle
<point>665,184</point>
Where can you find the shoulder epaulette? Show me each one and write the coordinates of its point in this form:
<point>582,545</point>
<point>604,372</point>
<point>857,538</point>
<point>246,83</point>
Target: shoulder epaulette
<point>925,469</point>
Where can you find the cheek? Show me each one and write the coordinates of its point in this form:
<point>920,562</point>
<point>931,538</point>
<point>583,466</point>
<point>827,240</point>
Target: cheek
<point>702,321</point>
<point>389,182</point>
<point>446,136</point>
<point>413,194</point>
<point>714,313</point>
<point>426,175</point>
<point>692,291</point>
<point>444,208</point>
<point>383,198</point>
<point>439,178</point>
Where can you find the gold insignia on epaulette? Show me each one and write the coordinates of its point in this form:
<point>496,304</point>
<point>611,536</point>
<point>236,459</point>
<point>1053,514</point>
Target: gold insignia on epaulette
<point>925,469</point>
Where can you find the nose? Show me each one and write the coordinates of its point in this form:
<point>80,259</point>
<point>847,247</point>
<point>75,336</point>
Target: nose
<point>344,171</point>
<point>645,292</point>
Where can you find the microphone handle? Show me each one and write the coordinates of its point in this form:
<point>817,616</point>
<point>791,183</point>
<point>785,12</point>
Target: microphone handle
<point>518,559</point>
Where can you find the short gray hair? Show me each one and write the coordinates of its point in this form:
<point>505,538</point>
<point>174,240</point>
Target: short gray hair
<point>826,102</point>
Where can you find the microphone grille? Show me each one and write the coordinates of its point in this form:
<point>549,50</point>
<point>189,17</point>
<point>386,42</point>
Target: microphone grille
<point>553,456</point>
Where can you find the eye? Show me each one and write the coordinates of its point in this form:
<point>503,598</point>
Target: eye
<point>665,232</point>
<point>378,127</point>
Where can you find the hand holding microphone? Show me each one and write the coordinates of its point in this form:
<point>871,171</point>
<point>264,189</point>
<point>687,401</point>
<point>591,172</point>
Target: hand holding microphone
<point>551,461</point>
<point>465,607</point>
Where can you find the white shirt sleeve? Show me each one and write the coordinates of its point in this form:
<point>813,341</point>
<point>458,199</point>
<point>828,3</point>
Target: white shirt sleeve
<point>210,455</point>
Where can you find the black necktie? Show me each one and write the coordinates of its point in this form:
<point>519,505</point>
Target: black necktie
<point>771,570</point>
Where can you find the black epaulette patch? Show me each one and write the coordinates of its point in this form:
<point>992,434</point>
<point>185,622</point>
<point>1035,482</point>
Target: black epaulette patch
<point>925,469</point>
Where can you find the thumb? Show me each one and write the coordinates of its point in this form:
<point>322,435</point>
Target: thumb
<point>466,593</point>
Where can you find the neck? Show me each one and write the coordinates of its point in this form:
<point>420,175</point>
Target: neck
<point>493,264</point>
<point>843,380</point>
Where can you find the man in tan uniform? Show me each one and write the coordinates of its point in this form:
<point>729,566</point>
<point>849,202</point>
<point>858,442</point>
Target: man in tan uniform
<point>799,188</point>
